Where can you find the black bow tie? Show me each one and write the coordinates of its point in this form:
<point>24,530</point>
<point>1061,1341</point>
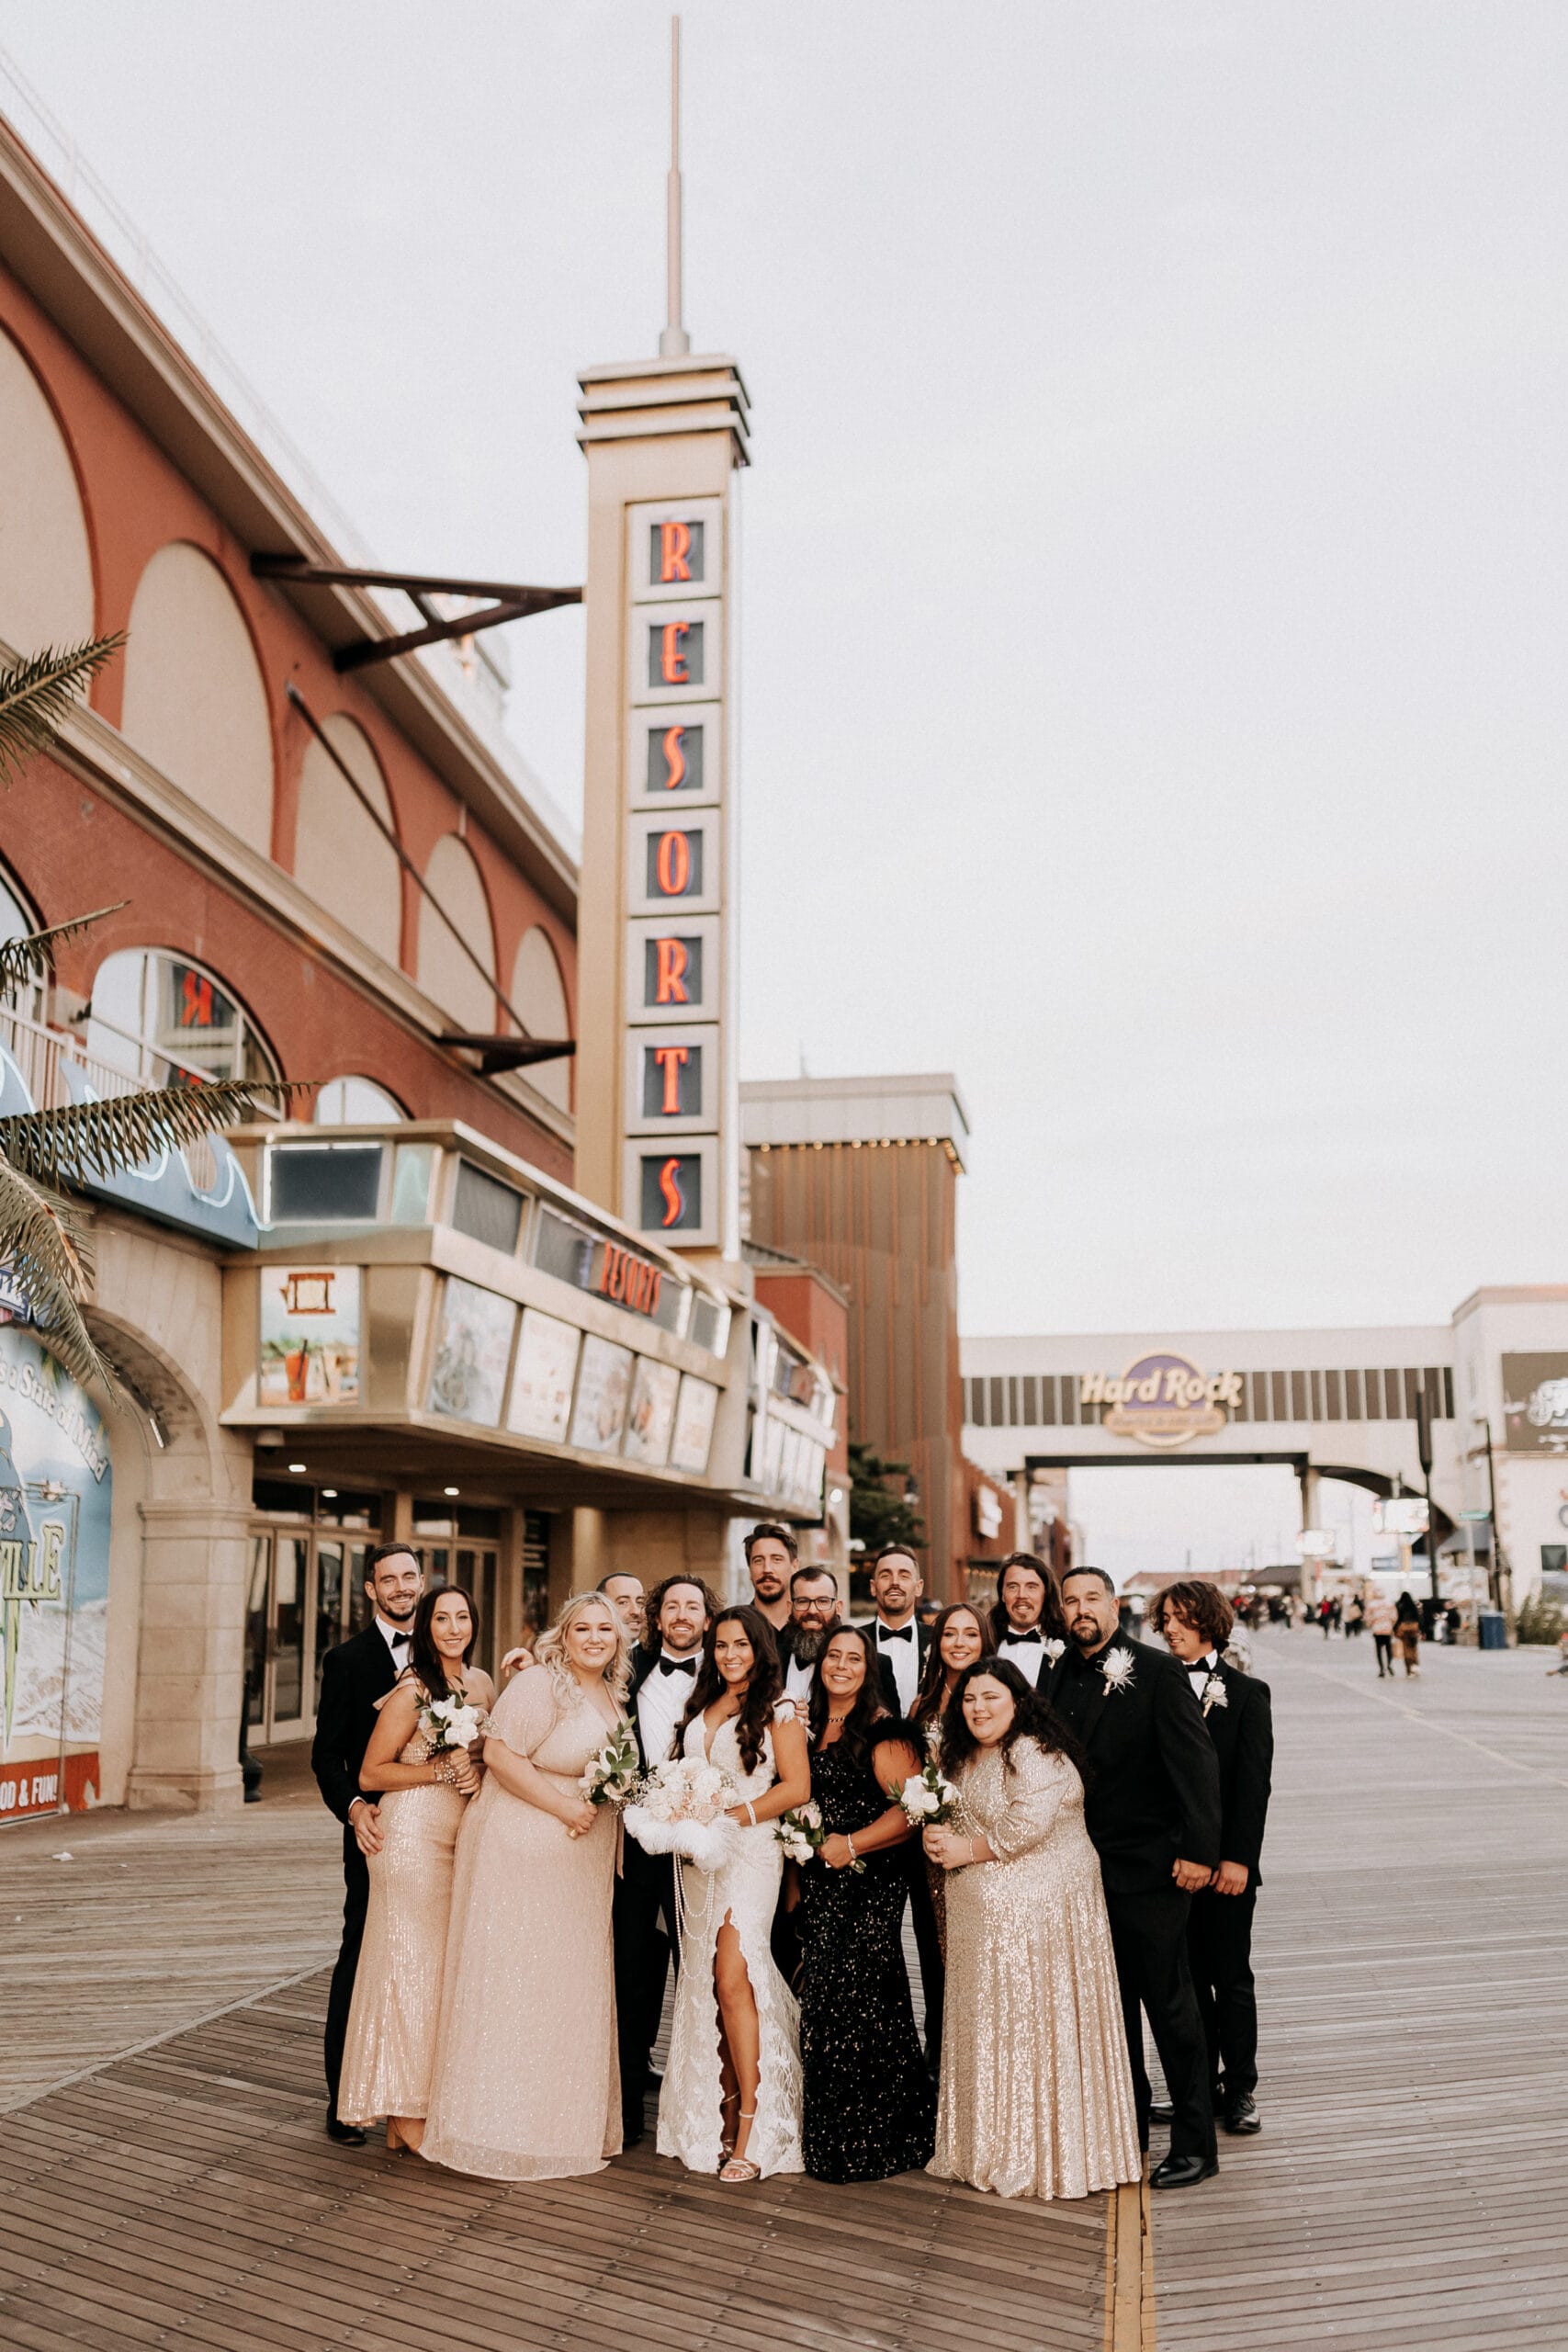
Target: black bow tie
<point>1031,1636</point>
<point>895,1633</point>
<point>401,1641</point>
<point>677,1666</point>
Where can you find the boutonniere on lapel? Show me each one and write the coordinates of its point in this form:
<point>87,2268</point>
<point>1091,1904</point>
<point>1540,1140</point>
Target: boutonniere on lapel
<point>1214,1693</point>
<point>1117,1667</point>
<point>1054,1650</point>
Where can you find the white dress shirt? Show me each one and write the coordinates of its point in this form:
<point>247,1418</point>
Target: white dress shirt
<point>799,1680</point>
<point>1197,1673</point>
<point>1027,1652</point>
<point>903,1654</point>
<point>394,1635</point>
<point>661,1702</point>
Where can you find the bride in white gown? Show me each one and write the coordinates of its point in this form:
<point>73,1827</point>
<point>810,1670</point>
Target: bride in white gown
<point>731,2097</point>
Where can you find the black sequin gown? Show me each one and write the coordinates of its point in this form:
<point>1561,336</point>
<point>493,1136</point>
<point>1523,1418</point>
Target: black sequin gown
<point>869,2107</point>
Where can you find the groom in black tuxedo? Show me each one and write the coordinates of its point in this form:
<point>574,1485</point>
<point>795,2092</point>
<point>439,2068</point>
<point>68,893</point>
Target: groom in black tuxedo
<point>1153,1811</point>
<point>354,1676</point>
<point>1194,1619</point>
<point>643,1922</point>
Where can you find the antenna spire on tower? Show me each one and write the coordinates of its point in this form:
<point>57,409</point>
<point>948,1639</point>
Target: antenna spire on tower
<point>674,342</point>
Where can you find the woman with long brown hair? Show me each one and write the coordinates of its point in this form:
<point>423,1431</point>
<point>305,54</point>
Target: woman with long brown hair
<point>731,2096</point>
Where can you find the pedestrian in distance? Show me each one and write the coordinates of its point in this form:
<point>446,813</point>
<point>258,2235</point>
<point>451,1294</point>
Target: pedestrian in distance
<point>354,1676</point>
<point>1381,1616</point>
<point>1032,1967</point>
<point>1153,1812</point>
<point>1408,1632</point>
<point>421,1789</point>
<point>1194,1619</point>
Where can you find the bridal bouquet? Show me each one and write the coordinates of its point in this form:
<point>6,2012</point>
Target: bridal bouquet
<point>927,1797</point>
<point>800,1833</point>
<point>611,1775</point>
<point>680,1808</point>
<point>449,1723</point>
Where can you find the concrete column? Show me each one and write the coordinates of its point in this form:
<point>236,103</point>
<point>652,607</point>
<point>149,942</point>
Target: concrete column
<point>190,1670</point>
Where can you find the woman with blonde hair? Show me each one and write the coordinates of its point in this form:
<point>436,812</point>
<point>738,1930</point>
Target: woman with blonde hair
<point>526,2085</point>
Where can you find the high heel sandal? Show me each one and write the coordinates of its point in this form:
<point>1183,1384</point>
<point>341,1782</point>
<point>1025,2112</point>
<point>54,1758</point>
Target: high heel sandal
<point>737,2170</point>
<point>727,2131</point>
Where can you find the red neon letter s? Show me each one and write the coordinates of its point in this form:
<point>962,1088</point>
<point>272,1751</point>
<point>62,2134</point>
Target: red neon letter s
<point>674,1202</point>
<point>673,663</point>
<point>675,546</point>
<point>675,758</point>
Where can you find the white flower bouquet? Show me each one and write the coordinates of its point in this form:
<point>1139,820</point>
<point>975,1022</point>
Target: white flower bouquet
<point>610,1776</point>
<point>800,1833</point>
<point>451,1723</point>
<point>928,1796</point>
<point>679,1808</point>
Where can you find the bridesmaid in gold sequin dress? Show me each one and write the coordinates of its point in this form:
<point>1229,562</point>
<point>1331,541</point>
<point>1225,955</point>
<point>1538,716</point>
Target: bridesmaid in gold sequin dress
<point>397,1985</point>
<point>1036,2091</point>
<point>526,2084</point>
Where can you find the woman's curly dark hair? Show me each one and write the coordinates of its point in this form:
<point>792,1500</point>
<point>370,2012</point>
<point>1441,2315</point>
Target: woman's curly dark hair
<point>762,1690</point>
<point>1053,1624</point>
<point>1031,1719</point>
<point>934,1674</point>
<point>1204,1606</point>
<point>870,1719</point>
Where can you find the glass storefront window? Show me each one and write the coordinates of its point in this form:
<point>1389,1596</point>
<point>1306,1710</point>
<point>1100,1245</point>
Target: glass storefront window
<point>288,1620</point>
<point>411,1183</point>
<point>256,1618</point>
<point>164,1020</point>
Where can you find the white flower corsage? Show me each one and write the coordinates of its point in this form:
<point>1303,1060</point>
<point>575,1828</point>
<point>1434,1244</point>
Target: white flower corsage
<point>1054,1649</point>
<point>1214,1693</point>
<point>1117,1667</point>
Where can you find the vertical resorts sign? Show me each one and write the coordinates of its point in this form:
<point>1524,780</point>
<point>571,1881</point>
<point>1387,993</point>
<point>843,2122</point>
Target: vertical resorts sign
<point>677,895</point>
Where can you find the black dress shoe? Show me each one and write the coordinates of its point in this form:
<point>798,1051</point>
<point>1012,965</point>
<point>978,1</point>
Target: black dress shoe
<point>633,2135</point>
<point>1183,2172</point>
<point>1241,2115</point>
<point>347,2135</point>
<point>1162,2111</point>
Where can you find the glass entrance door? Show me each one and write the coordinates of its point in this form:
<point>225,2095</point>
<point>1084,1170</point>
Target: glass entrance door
<point>300,1603</point>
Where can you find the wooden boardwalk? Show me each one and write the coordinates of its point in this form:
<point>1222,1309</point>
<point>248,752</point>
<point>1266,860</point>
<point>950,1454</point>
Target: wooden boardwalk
<point>1406,2188</point>
<point>169,2183</point>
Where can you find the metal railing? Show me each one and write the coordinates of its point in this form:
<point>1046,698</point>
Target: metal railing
<point>40,1055</point>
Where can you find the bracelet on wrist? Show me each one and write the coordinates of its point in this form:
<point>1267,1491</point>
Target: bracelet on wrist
<point>851,1844</point>
<point>750,1811</point>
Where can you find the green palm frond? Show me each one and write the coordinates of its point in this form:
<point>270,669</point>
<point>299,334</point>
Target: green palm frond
<point>38,693</point>
<point>43,1250</point>
<point>110,1137</point>
<point>26,958</point>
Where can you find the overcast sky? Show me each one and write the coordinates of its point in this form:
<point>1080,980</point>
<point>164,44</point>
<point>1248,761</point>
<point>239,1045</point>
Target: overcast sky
<point>1154,561</point>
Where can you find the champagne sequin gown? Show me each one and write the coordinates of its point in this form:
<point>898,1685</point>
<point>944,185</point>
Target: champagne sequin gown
<point>526,2085</point>
<point>745,1892</point>
<point>391,2046</point>
<point>1036,2091</point>
<point>868,2102</point>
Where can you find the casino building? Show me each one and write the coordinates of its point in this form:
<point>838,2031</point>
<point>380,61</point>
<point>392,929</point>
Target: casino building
<point>446,1297</point>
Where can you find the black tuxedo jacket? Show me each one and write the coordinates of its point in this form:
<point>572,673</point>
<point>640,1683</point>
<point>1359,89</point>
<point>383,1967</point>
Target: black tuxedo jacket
<point>923,1643</point>
<point>354,1676</point>
<point>1154,1780</point>
<point>1243,1735</point>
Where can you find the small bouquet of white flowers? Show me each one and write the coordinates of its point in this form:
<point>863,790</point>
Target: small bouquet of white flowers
<point>610,1776</point>
<point>679,1808</point>
<point>800,1833</point>
<point>449,1723</point>
<point>927,1796</point>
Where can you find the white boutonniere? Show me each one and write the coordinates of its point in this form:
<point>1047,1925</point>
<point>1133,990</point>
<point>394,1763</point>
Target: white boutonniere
<point>1214,1693</point>
<point>1054,1649</point>
<point>1117,1667</point>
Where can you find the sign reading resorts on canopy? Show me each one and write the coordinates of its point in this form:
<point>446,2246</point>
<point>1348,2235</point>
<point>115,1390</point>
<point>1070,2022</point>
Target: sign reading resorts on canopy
<point>1162,1400</point>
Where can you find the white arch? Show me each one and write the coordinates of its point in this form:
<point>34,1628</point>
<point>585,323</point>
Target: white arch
<point>539,994</point>
<point>355,1101</point>
<point>339,855</point>
<point>445,972</point>
<point>46,564</point>
<point>194,703</point>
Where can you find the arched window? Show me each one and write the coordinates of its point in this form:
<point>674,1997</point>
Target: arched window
<point>195,704</point>
<point>46,569</point>
<point>21,1010</point>
<point>355,1101</point>
<point>164,1020</point>
<point>340,855</point>
<point>540,996</point>
<point>445,972</point>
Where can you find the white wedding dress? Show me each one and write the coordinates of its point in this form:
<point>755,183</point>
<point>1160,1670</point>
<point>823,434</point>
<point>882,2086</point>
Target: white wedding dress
<point>744,1891</point>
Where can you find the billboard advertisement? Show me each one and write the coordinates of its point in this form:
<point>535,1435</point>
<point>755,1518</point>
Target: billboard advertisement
<point>1535,1404</point>
<point>56,1495</point>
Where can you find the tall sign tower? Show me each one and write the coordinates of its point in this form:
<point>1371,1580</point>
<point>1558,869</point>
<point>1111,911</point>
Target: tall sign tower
<point>658,1125</point>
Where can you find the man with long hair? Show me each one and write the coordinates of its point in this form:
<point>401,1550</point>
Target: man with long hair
<point>1194,1619</point>
<point>1027,1616</point>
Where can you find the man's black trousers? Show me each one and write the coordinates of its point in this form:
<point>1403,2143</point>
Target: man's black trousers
<point>1148,1931</point>
<point>340,1999</point>
<point>1219,1950</point>
<point>645,1939</point>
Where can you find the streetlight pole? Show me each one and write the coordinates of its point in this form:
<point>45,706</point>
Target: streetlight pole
<point>1425,1406</point>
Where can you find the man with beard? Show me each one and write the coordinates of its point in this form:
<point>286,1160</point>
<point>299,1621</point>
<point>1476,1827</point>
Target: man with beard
<point>1153,1812</point>
<point>771,1555</point>
<point>813,1621</point>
